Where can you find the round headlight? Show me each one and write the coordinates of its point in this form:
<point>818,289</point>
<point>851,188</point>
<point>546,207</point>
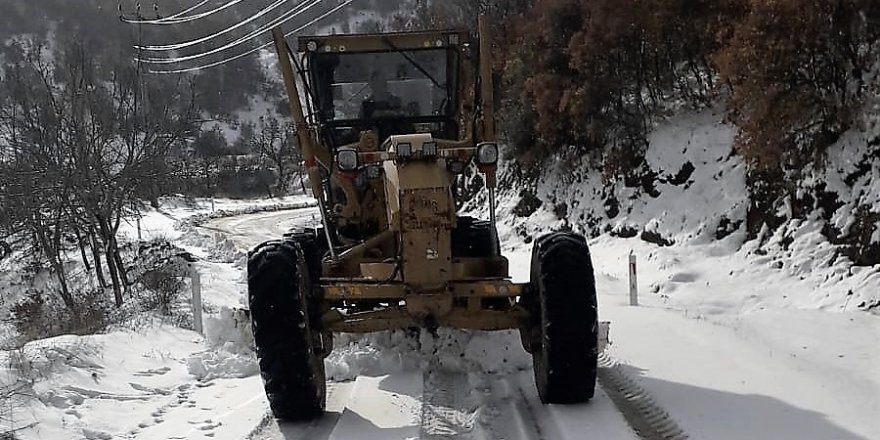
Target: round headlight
<point>404,150</point>
<point>429,149</point>
<point>487,153</point>
<point>312,45</point>
<point>347,160</point>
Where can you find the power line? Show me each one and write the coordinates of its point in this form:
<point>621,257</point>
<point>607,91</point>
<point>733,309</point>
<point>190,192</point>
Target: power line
<point>177,46</point>
<point>177,18</point>
<point>254,50</point>
<point>276,22</point>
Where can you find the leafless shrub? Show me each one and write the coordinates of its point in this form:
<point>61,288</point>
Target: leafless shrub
<point>160,274</point>
<point>163,290</point>
<point>39,316</point>
<point>12,398</point>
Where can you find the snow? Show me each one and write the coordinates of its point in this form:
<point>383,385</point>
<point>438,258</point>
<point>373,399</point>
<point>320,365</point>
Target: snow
<point>689,211</point>
<point>733,338</point>
<point>766,375</point>
<point>390,412</point>
<point>397,351</point>
<point>92,386</point>
<point>742,352</point>
<point>230,353</point>
<point>724,355</point>
<point>257,107</point>
<point>125,382</point>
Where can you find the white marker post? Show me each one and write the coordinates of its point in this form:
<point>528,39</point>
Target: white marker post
<point>196,298</point>
<point>633,282</point>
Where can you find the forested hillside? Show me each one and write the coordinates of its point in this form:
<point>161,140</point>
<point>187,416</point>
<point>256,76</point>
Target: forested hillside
<point>797,80</point>
<point>90,134</point>
<point>787,89</point>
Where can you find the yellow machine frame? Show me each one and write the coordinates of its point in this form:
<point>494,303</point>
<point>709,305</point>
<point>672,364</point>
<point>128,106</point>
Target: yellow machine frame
<point>408,267</point>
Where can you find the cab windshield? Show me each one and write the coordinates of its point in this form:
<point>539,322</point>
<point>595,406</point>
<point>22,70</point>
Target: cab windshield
<point>383,85</point>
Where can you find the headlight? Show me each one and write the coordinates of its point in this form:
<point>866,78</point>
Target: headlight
<point>347,160</point>
<point>404,150</point>
<point>487,153</point>
<point>429,149</point>
<point>312,45</point>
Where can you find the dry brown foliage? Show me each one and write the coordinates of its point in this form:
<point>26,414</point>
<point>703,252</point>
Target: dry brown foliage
<point>597,73</point>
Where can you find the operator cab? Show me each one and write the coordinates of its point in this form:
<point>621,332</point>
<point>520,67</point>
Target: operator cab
<point>392,84</point>
<point>366,90</point>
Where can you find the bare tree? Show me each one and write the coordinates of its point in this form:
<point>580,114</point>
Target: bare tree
<point>35,184</point>
<point>80,147</point>
<point>274,143</point>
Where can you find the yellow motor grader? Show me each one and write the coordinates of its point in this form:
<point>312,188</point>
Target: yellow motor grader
<point>387,124</point>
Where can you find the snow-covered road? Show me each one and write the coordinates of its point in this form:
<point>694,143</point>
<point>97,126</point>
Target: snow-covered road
<point>436,401</point>
<point>247,231</point>
<point>450,405</point>
<point>731,374</point>
<point>722,371</point>
<point>716,344</point>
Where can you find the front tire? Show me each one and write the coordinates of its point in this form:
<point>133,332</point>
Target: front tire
<point>279,291</point>
<point>563,338</point>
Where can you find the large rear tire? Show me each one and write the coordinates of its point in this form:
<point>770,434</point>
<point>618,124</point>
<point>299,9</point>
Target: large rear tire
<point>280,290</point>
<point>563,338</point>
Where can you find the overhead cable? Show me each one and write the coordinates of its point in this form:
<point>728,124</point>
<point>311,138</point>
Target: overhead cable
<point>178,46</point>
<point>274,23</point>
<point>256,49</point>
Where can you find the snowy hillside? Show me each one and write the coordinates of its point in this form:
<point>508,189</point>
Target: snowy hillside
<point>695,196</point>
<point>734,338</point>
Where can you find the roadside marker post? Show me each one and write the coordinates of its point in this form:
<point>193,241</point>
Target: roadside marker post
<point>633,281</point>
<point>196,298</point>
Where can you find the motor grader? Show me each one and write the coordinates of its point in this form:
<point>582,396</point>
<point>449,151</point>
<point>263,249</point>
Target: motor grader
<point>387,124</point>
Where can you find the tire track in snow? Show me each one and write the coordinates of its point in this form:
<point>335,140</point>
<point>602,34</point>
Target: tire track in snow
<point>338,394</point>
<point>530,414</point>
<point>261,427</point>
<point>511,416</point>
<point>447,410</point>
<point>644,415</point>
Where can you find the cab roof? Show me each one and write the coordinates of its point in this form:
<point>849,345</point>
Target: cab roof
<point>377,42</point>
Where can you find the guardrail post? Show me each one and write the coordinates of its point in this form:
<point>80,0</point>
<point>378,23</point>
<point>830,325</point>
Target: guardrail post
<point>633,281</point>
